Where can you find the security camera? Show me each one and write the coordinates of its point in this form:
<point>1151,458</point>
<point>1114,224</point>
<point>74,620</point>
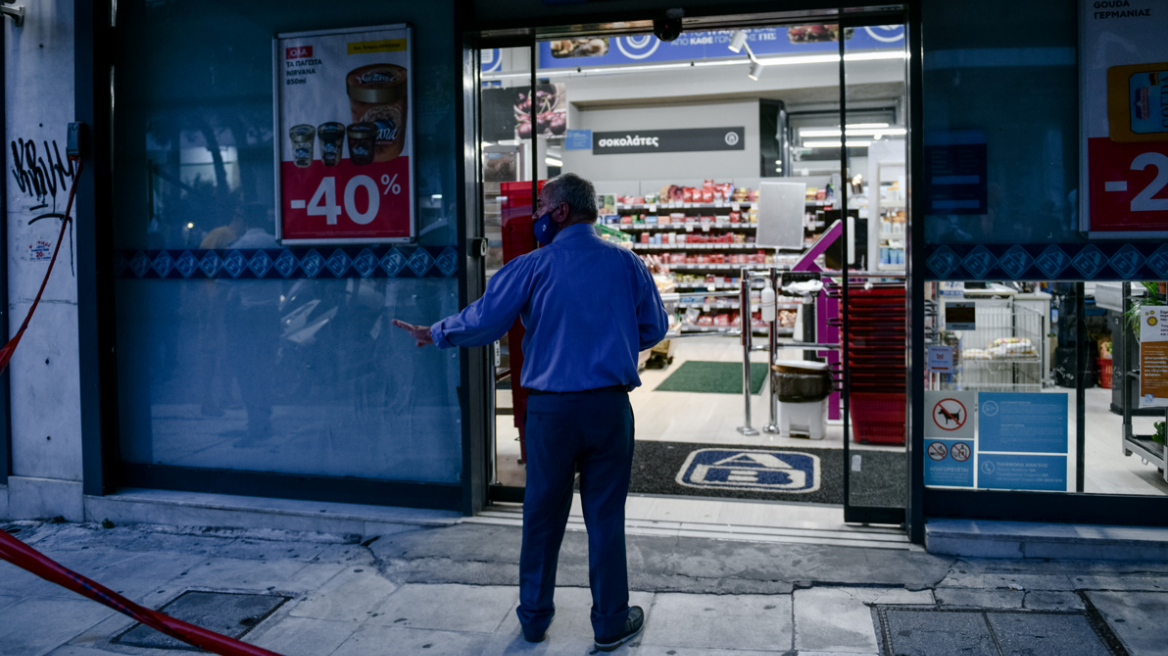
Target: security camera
<point>668,28</point>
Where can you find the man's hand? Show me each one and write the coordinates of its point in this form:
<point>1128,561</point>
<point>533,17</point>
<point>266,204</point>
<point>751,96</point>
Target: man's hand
<point>420,333</point>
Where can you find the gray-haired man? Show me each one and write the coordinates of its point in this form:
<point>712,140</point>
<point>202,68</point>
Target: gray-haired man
<point>589,307</point>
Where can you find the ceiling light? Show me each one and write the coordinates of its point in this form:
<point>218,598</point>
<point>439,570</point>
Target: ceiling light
<point>553,162</point>
<point>738,41</point>
<point>755,70</point>
<point>852,131</point>
<point>835,144</point>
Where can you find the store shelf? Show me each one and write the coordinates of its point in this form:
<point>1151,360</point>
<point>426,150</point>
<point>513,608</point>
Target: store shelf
<point>730,205</point>
<point>700,247</point>
<point>891,267</point>
<point>1146,448</point>
<point>695,226</point>
<point>715,267</point>
<point>732,305</point>
<point>713,286</point>
<point>1030,359</point>
<point>723,330</point>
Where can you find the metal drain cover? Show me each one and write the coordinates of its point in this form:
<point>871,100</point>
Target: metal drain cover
<point>973,632</point>
<point>230,614</point>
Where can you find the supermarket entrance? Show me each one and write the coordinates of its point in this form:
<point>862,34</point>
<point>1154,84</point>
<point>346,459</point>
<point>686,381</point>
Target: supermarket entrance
<point>770,198</point>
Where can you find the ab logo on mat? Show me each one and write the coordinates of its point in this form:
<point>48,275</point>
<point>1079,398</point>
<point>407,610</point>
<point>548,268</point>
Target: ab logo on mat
<point>773,471</point>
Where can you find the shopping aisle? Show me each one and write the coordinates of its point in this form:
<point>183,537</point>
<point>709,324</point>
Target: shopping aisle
<point>1108,471</point>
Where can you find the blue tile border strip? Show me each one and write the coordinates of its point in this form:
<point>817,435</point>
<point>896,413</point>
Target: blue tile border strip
<point>327,262</point>
<point>1119,260</point>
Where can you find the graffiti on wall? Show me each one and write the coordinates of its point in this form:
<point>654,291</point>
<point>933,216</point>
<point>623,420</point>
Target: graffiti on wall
<point>41,175</point>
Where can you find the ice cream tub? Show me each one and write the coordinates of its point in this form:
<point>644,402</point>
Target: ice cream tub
<point>378,95</point>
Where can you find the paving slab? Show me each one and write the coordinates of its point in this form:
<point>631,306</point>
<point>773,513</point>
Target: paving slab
<point>929,633</point>
<point>353,595</point>
<point>37,626</point>
<point>1053,600</point>
<point>387,639</point>
<point>1010,581</point>
<point>657,650</point>
<point>238,574</point>
<point>1026,634</point>
<point>573,621</point>
<point>977,598</point>
<point>1134,581</point>
<point>840,619</point>
<point>758,622</point>
<point>448,607</point>
<point>304,636</point>
<point>1137,618</point>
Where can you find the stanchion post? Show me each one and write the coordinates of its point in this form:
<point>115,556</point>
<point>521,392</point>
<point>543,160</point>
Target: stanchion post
<point>773,427</point>
<point>747,333</point>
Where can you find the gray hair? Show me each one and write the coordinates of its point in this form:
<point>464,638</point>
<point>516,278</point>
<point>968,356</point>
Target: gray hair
<point>577,192</point>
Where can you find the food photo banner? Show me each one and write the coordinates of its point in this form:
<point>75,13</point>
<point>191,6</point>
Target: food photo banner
<point>691,46</point>
<point>344,147</point>
<point>1123,87</point>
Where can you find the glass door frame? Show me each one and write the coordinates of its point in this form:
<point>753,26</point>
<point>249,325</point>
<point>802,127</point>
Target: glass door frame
<point>528,36</point>
<point>855,514</point>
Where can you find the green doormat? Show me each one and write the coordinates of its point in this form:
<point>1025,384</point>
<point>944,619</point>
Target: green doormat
<point>713,377</point>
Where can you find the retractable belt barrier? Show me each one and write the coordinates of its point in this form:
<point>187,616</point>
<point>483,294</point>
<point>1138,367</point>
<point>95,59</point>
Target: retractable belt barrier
<point>27,558</point>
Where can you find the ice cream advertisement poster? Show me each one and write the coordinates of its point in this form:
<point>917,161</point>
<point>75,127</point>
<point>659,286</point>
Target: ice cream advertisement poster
<point>1123,91</point>
<point>344,142</point>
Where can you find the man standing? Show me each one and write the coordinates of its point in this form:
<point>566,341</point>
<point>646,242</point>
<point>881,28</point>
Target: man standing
<point>589,307</point>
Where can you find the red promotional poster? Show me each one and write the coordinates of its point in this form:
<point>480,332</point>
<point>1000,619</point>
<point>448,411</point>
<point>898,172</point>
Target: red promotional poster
<point>344,147</point>
<point>1124,90</point>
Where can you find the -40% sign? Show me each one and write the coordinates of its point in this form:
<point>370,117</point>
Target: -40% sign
<point>324,199</point>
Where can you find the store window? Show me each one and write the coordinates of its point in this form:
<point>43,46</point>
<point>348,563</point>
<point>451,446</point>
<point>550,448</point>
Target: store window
<point>1032,384</point>
<point>290,367</point>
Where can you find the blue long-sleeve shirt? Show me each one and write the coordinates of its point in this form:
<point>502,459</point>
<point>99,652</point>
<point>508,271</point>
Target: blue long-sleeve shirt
<point>588,306</point>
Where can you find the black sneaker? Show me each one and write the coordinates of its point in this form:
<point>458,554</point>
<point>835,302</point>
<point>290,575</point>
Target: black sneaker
<point>632,629</point>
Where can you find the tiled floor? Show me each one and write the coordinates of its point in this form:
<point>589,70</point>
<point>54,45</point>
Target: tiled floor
<point>714,419</point>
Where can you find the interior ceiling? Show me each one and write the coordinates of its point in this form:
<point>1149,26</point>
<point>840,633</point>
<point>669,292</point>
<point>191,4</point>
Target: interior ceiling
<point>887,92</point>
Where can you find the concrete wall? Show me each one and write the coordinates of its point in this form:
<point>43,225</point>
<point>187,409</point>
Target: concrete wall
<point>46,412</point>
<point>682,166</point>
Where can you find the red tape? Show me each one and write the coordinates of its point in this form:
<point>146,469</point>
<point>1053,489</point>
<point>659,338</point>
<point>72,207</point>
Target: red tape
<point>27,558</point>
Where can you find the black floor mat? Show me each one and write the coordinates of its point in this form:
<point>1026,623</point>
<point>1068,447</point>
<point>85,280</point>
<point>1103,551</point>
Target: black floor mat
<point>810,475</point>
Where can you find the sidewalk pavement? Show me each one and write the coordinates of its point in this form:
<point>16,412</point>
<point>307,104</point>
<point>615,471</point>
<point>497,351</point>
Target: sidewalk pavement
<point>452,590</point>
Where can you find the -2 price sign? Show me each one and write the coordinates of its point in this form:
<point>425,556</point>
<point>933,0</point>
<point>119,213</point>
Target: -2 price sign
<point>1129,185</point>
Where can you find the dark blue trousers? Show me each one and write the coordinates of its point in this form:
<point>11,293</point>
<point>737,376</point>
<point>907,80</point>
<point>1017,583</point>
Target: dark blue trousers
<point>592,433</point>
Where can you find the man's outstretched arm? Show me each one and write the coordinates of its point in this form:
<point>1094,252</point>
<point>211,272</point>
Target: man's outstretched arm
<point>485,320</point>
